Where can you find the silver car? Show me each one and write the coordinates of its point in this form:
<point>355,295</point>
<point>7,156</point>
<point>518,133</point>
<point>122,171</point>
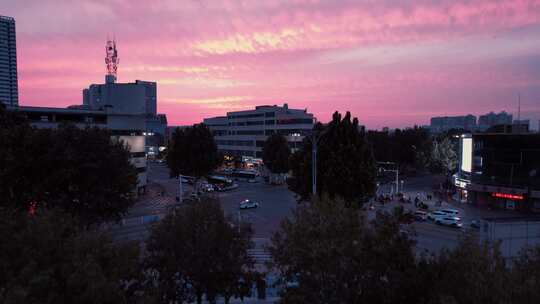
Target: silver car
<point>248,204</point>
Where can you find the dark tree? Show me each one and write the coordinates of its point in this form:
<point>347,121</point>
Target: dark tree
<point>409,148</point>
<point>470,273</point>
<point>192,151</point>
<point>197,252</point>
<point>526,276</point>
<point>46,259</point>
<point>345,163</point>
<point>276,154</point>
<point>326,253</point>
<point>82,171</point>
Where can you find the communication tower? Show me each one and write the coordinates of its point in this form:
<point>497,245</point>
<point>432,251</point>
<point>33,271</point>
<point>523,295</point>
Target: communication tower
<point>111,60</point>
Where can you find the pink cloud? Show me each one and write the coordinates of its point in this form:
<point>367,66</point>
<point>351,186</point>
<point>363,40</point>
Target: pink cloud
<point>404,61</point>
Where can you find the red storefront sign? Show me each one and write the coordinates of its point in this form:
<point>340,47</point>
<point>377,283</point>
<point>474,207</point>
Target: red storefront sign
<point>507,196</point>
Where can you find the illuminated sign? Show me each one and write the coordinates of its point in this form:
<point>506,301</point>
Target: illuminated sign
<point>466,155</point>
<point>507,195</point>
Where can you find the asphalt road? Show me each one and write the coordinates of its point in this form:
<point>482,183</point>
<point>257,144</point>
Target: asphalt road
<point>277,203</point>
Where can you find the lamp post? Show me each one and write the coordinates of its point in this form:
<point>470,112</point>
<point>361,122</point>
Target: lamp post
<point>314,142</point>
<point>180,189</point>
<point>392,170</point>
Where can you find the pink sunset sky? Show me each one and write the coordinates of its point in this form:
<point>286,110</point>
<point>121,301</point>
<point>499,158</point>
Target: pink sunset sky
<point>391,63</point>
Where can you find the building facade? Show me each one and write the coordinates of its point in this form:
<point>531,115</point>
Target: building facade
<point>126,128</point>
<point>9,92</point>
<point>492,119</point>
<point>500,170</point>
<point>136,98</point>
<point>446,123</point>
<point>243,133</point>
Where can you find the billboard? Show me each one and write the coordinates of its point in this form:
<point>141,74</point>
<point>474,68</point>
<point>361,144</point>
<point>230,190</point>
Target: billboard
<point>466,154</point>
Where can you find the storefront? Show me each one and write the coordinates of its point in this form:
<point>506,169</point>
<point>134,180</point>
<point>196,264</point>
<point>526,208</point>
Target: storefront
<point>498,197</point>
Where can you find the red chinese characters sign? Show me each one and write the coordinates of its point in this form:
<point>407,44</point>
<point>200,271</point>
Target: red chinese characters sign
<point>507,196</point>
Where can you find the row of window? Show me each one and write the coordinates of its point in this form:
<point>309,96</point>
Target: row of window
<point>266,114</point>
<point>247,143</point>
<point>294,121</point>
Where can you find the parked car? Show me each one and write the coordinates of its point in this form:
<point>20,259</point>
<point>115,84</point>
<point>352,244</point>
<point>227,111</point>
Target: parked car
<point>435,214</point>
<point>248,204</point>
<point>420,215</point>
<point>448,221</point>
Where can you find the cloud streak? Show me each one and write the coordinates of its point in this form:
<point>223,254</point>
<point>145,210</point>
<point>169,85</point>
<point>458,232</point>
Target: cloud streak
<point>402,60</point>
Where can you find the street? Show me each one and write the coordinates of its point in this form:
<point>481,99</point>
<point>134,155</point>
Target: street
<point>277,202</point>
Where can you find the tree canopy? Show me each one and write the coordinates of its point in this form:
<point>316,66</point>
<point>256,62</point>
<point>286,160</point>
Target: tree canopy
<point>192,151</point>
<point>345,163</point>
<point>276,154</point>
<point>45,258</point>
<point>82,171</point>
<point>402,146</point>
<point>327,253</point>
<point>197,252</point>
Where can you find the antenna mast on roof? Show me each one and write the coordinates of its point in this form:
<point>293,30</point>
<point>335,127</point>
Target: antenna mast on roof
<point>111,60</point>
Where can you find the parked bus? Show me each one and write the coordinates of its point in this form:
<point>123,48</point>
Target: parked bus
<point>216,179</point>
<point>250,176</point>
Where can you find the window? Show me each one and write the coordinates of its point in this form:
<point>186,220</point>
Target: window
<point>293,121</point>
<point>270,122</point>
<point>270,114</point>
<point>250,132</point>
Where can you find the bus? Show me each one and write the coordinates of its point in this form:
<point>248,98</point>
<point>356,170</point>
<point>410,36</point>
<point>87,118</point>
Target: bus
<point>246,175</point>
<point>216,179</point>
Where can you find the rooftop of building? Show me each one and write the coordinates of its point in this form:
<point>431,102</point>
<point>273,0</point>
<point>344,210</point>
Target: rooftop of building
<point>269,108</point>
<point>6,18</point>
<point>54,110</point>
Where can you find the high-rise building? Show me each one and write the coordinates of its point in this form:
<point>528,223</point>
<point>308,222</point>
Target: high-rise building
<point>492,119</point>
<point>243,133</point>
<point>445,123</point>
<point>9,92</point>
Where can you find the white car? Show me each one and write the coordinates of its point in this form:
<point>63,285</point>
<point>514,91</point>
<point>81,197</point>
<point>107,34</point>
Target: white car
<point>451,212</point>
<point>449,221</point>
<point>247,204</point>
<point>435,214</point>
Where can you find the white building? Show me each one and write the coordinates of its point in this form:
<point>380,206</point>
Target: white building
<point>125,127</point>
<point>243,133</point>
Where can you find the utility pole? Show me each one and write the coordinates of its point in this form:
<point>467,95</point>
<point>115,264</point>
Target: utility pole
<point>180,189</point>
<point>314,166</point>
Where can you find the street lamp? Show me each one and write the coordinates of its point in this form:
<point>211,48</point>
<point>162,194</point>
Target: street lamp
<point>180,189</point>
<point>392,170</point>
<point>314,142</point>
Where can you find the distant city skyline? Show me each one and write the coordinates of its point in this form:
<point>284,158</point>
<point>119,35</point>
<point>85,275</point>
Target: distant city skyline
<point>390,64</point>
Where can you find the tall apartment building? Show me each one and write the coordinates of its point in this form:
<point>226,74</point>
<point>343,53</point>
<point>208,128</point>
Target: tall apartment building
<point>243,133</point>
<point>9,92</point>
<point>445,123</point>
<point>492,119</point>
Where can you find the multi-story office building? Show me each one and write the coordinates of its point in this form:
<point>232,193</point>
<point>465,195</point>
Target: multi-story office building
<point>445,123</point>
<point>500,170</point>
<point>243,133</point>
<point>9,92</point>
<point>124,127</point>
<point>492,119</point>
<point>136,98</point>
